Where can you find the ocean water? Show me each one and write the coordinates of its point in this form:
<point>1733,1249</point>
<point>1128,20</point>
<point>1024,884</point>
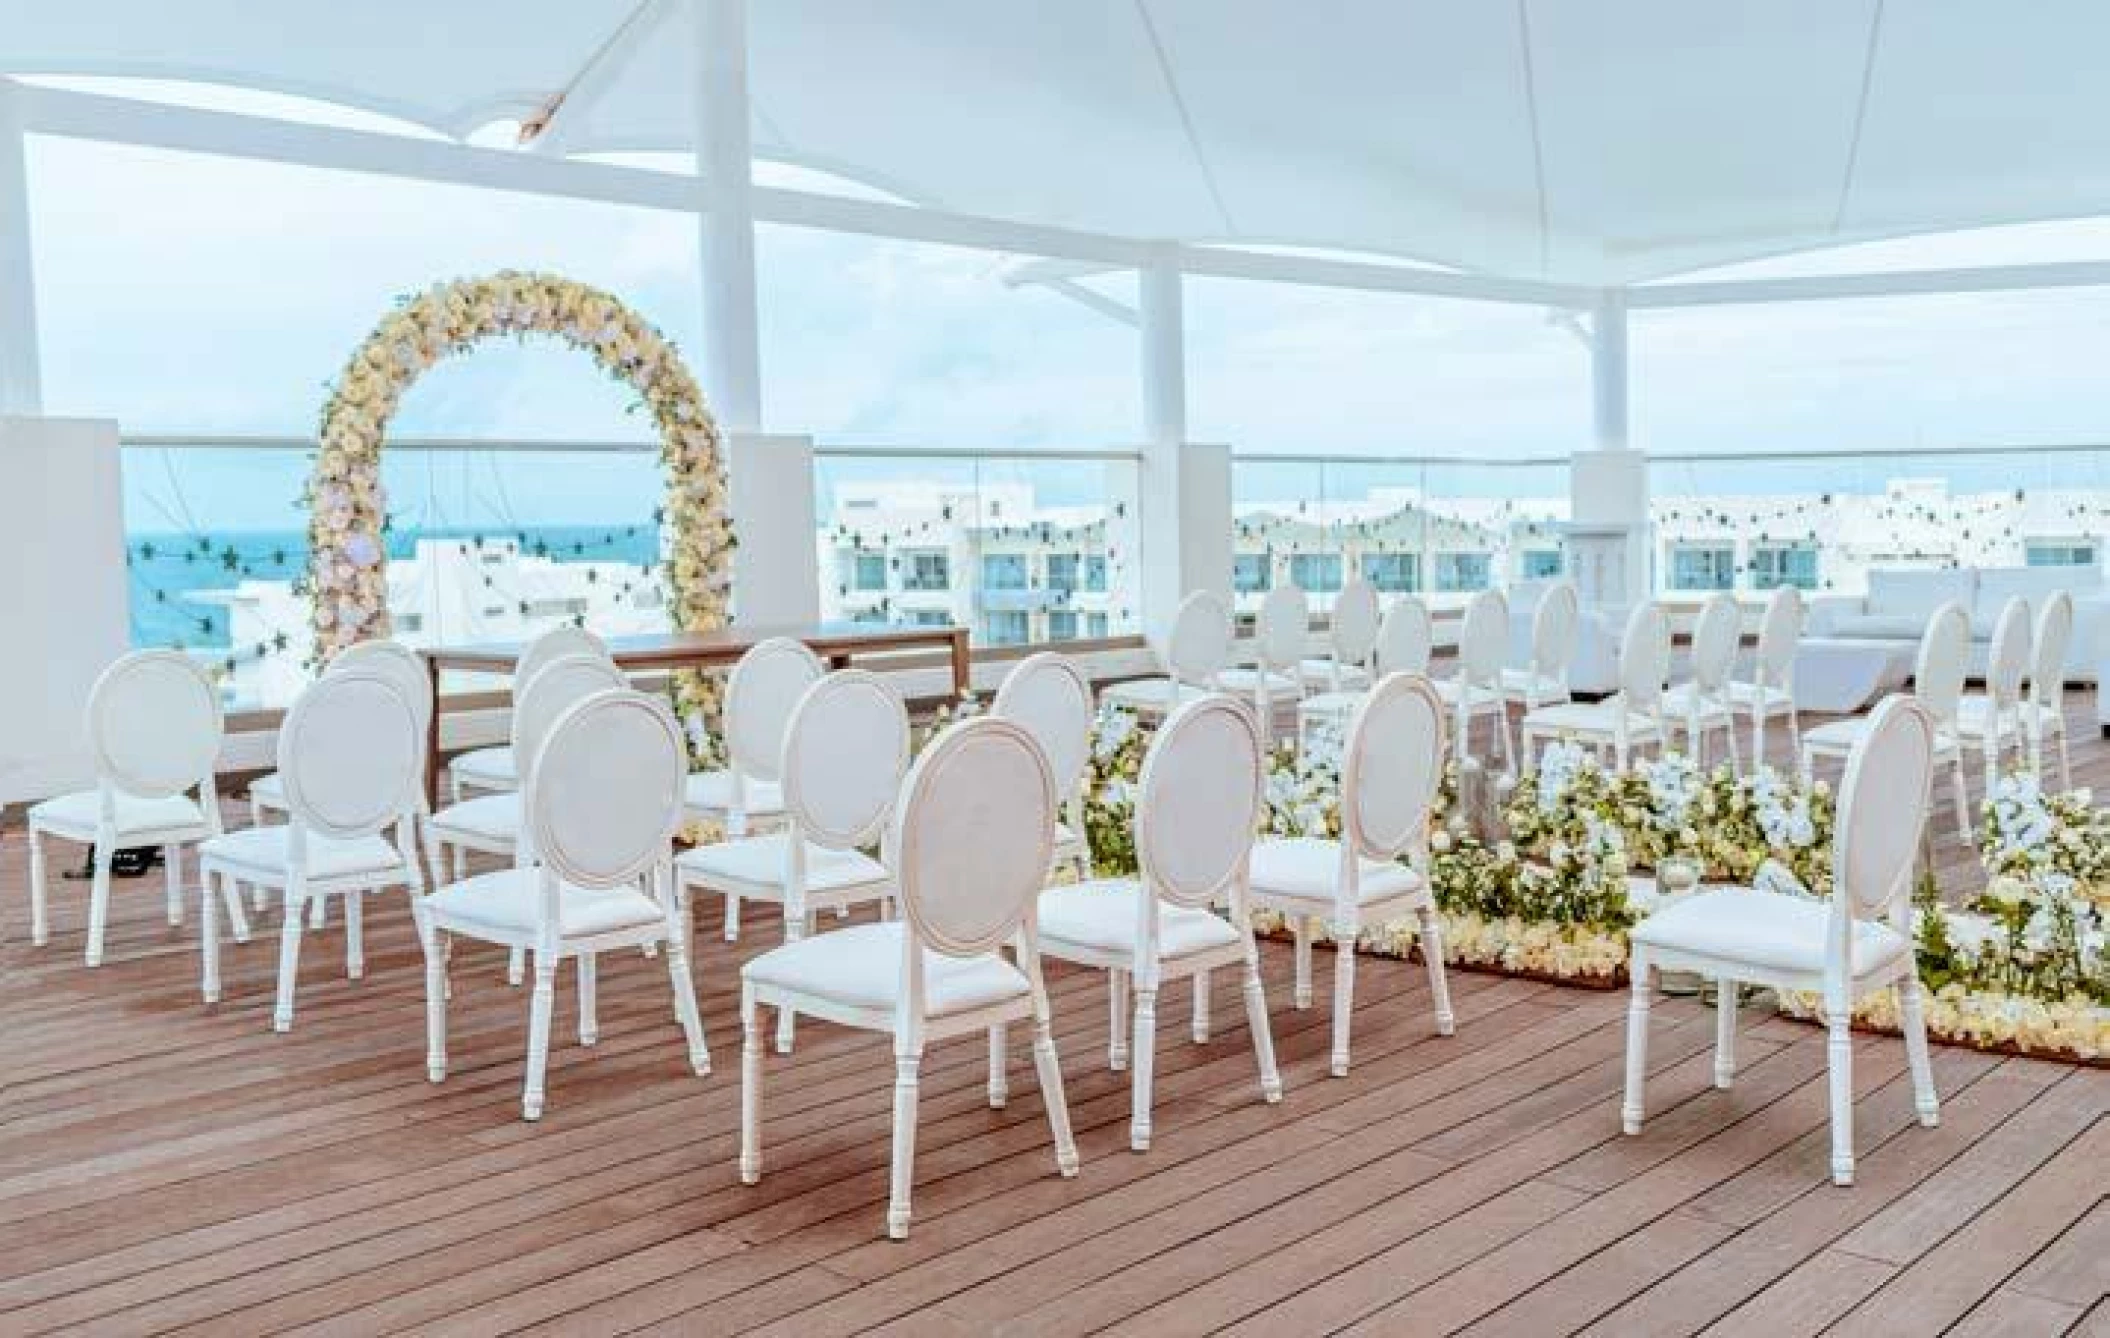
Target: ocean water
<point>165,568</point>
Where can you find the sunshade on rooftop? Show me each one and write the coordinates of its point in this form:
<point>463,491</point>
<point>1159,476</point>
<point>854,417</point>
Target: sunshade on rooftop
<point>1593,141</point>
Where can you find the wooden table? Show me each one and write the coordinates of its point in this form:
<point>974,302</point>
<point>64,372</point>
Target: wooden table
<point>836,643</point>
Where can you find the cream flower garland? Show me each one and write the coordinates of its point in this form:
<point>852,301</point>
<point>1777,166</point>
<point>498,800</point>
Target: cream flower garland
<point>348,579</point>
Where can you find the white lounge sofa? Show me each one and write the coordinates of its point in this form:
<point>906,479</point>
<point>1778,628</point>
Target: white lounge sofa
<point>1898,604</point>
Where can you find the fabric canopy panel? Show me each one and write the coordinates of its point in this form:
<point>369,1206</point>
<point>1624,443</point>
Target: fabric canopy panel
<point>1599,142</point>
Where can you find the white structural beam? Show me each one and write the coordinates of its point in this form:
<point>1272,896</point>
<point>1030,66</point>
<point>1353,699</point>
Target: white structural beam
<point>725,162</point>
<point>601,73</point>
<point>1896,283</point>
<point>1608,371</point>
<point>1164,356</point>
<point>1185,488</point>
<point>21,379</point>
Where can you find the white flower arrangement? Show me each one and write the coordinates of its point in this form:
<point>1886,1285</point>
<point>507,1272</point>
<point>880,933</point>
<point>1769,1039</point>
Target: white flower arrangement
<point>348,583</point>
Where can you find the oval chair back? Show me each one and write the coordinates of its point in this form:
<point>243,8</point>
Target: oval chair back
<point>555,644</point>
<point>844,751</point>
<point>1644,658</point>
<point>766,686</point>
<point>1200,802</point>
<point>604,795</point>
<point>1352,628</point>
<point>1779,636</point>
<point>1281,631</point>
<point>1050,697</point>
<point>2047,669</point>
<point>1404,638</point>
<point>400,665</point>
<point>350,755</point>
<point>1882,811</point>
<point>1554,625</point>
<point>1200,642</point>
<point>154,725</point>
<point>1391,767</point>
<point>1715,639</point>
<point>1937,677</point>
<point>554,688</point>
<point>971,840</point>
<point>2007,658</point>
<point>1483,640</point>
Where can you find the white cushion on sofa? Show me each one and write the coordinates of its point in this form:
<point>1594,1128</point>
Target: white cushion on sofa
<point>1997,585</point>
<point>1879,626</point>
<point>1917,594</point>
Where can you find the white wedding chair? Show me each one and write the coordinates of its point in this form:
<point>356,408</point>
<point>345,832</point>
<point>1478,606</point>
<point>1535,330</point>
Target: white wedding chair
<point>1987,722</point>
<point>1389,773</point>
<point>2044,711</point>
<point>1198,807</point>
<point>498,768</point>
<point>761,694</point>
<point>154,730</point>
<point>1630,718</point>
<point>1937,684</point>
<point>1276,677</point>
<point>1770,691</point>
<point>1859,942</point>
<point>969,846</point>
<point>843,754</point>
<point>1701,704</point>
<point>1404,641</point>
<point>1194,655</point>
<point>491,823</point>
<point>1476,690</point>
<point>1351,634</point>
<point>602,802</point>
<point>350,768</point>
<point>1050,696</point>
<point>1556,626</point>
<point>391,659</point>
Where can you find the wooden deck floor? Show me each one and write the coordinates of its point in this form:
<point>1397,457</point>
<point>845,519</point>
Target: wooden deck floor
<point>168,1167</point>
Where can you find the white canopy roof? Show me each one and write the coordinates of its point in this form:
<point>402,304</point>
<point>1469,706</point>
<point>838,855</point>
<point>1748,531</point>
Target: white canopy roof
<point>1591,141</point>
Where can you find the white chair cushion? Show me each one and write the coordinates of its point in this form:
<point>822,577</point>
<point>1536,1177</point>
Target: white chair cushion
<point>490,817</point>
<point>860,967</point>
<point>1974,713</point>
<point>1100,916</point>
<point>759,861</point>
<point>1678,701</point>
<point>1517,682</point>
<point>74,816</point>
<point>1318,673</point>
<point>1592,718</point>
<point>1917,594</point>
<point>1245,682</point>
<point>487,768</point>
<point>1742,695</point>
<point>268,791</point>
<point>1305,867</point>
<point>1448,688</point>
<point>264,849</point>
<point>1764,930</point>
<point>1329,704</point>
<point>712,792</point>
<point>507,902</point>
<point>1838,737</point>
<point>1148,693</point>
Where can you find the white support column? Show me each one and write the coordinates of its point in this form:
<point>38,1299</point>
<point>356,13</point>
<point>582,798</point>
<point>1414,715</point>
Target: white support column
<point>1186,488</point>
<point>775,578</point>
<point>21,380</point>
<point>1608,541</point>
<point>1608,371</point>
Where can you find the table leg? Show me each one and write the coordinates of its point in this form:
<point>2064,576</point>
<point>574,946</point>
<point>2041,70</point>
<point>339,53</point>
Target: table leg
<point>961,679</point>
<point>432,740</point>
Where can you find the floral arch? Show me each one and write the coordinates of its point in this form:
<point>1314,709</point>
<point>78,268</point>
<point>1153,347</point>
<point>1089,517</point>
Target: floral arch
<point>348,562</point>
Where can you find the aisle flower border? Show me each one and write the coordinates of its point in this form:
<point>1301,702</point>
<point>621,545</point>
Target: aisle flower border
<point>348,517</point>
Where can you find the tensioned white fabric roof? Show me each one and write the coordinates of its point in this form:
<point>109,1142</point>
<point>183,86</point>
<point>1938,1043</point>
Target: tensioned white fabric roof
<point>1591,141</point>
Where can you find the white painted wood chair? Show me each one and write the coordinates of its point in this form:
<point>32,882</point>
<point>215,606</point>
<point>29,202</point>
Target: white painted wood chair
<point>2044,713</point>
<point>969,846</point>
<point>602,802</point>
<point>1770,691</point>
<point>1476,689</point>
<point>1937,685</point>
<point>1198,805</point>
<point>1630,718</point>
<point>351,769</point>
<point>497,768</point>
<point>1351,635</point>
<point>154,730</point>
<point>1276,676</point>
<point>392,659</point>
<point>491,824</point>
<point>1989,722</point>
<point>844,750</point>
<point>1194,655</point>
<point>1858,943</point>
<point>1701,704</point>
<point>1389,773</point>
<point>761,694</point>
<point>1049,695</point>
<point>1556,627</point>
<point>1405,639</point>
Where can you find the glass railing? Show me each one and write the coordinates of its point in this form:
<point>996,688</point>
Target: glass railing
<point>1441,528</point>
